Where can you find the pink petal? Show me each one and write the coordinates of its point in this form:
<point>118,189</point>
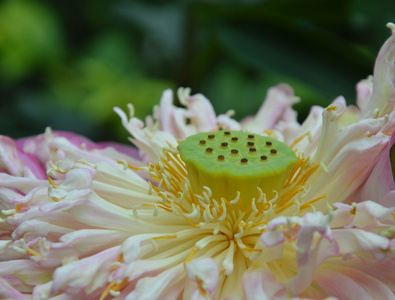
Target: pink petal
<point>87,274</point>
<point>202,113</point>
<point>311,128</point>
<point>272,238</point>
<point>14,161</point>
<point>278,100</point>
<point>383,94</point>
<point>259,284</point>
<point>357,240</point>
<point>26,271</point>
<point>381,180</point>
<point>8,292</point>
<point>166,111</point>
<point>163,286</point>
<point>371,213</point>
<point>364,92</point>
<point>204,272</point>
<point>341,282</point>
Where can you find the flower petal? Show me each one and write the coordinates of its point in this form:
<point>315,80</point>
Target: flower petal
<point>383,93</point>
<point>87,274</point>
<point>259,284</point>
<point>278,100</point>
<point>341,281</point>
<point>381,180</point>
<point>204,272</point>
<point>166,285</point>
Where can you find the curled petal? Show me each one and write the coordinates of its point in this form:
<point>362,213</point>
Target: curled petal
<point>278,100</point>
<point>272,238</point>
<point>16,162</point>
<point>201,112</point>
<point>381,180</point>
<point>383,94</point>
<point>340,281</point>
<point>360,241</point>
<point>205,273</point>
<point>166,285</point>
<point>259,284</point>
<point>87,274</point>
<point>8,292</point>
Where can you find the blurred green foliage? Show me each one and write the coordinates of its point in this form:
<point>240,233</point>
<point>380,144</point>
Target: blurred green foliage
<point>65,64</point>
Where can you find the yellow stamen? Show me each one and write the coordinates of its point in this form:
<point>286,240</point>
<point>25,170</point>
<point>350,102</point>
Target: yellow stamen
<point>297,140</point>
<point>165,237</point>
<point>308,204</point>
<point>112,286</point>
<point>192,254</point>
<point>18,207</point>
<point>200,286</point>
<point>51,182</point>
<point>130,166</point>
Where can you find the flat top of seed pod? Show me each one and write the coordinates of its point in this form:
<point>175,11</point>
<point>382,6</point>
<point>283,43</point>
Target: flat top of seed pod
<point>236,154</point>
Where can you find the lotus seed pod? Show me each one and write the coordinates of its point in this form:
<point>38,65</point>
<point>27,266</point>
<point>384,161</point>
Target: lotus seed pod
<point>234,161</point>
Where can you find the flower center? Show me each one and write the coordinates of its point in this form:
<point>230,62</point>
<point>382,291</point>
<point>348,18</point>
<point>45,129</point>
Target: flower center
<point>229,162</point>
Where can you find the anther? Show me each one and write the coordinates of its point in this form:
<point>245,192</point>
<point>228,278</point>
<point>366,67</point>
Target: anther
<point>209,150</point>
<point>250,143</point>
<point>263,157</point>
<point>244,160</point>
<point>227,132</point>
<point>224,144</point>
<point>252,150</point>
<point>273,151</point>
<point>268,143</point>
<point>234,151</point>
<point>251,136</point>
<point>221,157</point>
<point>211,136</point>
<point>235,139</point>
<point>202,142</point>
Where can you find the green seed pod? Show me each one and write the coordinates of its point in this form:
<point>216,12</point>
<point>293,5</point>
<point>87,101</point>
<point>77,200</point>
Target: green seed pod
<point>234,161</point>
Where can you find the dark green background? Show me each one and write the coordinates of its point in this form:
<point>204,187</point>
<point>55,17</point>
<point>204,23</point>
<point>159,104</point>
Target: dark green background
<point>65,64</point>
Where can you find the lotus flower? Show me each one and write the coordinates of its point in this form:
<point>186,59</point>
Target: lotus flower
<point>209,208</point>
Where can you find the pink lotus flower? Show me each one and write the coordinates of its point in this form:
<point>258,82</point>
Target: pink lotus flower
<point>88,221</point>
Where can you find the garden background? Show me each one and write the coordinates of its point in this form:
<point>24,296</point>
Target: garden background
<point>65,64</point>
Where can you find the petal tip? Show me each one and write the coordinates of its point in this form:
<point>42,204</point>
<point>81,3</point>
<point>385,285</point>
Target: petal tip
<point>391,26</point>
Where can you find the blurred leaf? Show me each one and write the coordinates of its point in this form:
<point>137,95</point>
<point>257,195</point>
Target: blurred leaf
<point>109,75</point>
<point>231,88</point>
<point>279,51</point>
<point>162,31</point>
<point>130,50</point>
<point>29,36</point>
<point>368,19</point>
